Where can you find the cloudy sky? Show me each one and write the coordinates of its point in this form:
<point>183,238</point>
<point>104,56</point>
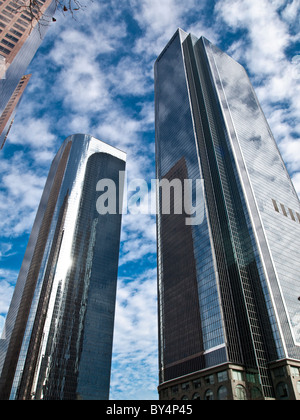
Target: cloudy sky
<point>94,74</point>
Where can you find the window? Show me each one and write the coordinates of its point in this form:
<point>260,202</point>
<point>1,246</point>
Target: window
<point>255,393</point>
<point>294,371</point>
<point>279,372</point>
<point>12,38</point>
<point>19,27</point>
<point>197,383</point>
<point>237,375</point>
<point>209,395</point>
<point>185,386</point>
<point>222,393</point>
<point>164,393</point>
<point>26,18</point>
<point>174,389</point>
<point>21,22</point>
<point>252,377</point>
<point>282,391</point>
<point>9,44</point>
<point>184,397</point>
<point>222,376</point>
<point>283,209</point>
<point>275,206</point>
<point>4,19</point>
<point>292,215</point>
<point>7,14</point>
<point>196,396</point>
<point>13,31</point>
<point>209,379</point>
<point>4,50</point>
<point>240,393</point>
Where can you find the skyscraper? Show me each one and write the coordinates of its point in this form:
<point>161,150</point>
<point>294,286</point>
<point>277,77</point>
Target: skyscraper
<point>57,339</point>
<point>229,285</point>
<point>21,32</point>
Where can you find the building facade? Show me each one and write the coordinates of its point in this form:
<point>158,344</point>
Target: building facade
<point>21,32</point>
<point>228,285</point>
<point>57,339</point>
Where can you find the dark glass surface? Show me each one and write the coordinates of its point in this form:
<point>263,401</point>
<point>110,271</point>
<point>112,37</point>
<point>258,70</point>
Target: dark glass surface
<point>190,319</point>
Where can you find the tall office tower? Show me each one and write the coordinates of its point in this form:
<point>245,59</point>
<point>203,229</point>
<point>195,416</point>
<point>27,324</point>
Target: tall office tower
<point>21,32</point>
<point>57,339</point>
<point>229,280</point>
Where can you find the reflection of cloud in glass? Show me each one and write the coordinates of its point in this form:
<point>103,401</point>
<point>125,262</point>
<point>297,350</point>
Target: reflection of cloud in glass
<point>251,135</point>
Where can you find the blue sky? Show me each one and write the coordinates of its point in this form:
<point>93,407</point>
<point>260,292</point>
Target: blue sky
<point>94,74</point>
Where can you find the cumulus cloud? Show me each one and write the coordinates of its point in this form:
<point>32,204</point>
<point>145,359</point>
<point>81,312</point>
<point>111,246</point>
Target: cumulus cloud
<point>7,283</point>
<point>6,288</point>
<point>20,193</point>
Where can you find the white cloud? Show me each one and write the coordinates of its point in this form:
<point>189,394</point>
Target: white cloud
<point>7,282</point>
<point>264,26</point>
<point>138,237</point>
<point>130,78</point>
<point>34,132</point>
<point>159,20</point>
<point>6,291</point>
<point>296,181</point>
<point>5,250</point>
<point>291,12</point>
<point>20,194</point>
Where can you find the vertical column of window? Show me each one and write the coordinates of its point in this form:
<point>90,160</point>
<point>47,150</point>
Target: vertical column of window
<point>19,329</point>
<point>177,274</point>
<point>246,270</point>
<point>203,131</point>
<point>4,21</point>
<point>36,341</point>
<point>275,206</point>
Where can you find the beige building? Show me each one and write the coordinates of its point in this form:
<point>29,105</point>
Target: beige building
<point>22,29</point>
<point>233,382</point>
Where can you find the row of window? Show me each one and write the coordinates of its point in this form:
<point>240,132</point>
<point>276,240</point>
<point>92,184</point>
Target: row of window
<point>282,391</point>
<point>295,216</point>
<point>281,371</point>
<point>196,383</point>
<point>222,394</point>
<point>9,107</point>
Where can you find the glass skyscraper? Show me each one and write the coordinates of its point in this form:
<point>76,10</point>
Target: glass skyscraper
<point>228,284</point>
<point>21,33</point>
<point>57,339</point>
